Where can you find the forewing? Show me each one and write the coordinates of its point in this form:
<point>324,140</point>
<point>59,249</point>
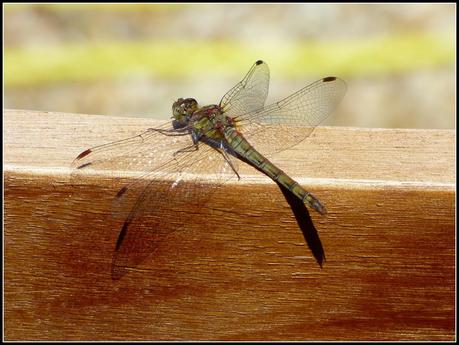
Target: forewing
<point>129,157</point>
<point>249,94</point>
<point>284,124</point>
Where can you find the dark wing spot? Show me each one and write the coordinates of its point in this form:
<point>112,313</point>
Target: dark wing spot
<point>259,62</point>
<point>84,165</point>
<point>84,154</point>
<point>121,192</point>
<point>122,235</point>
<point>327,79</point>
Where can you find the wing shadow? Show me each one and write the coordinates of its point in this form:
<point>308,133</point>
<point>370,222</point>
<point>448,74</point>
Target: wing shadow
<point>151,234</point>
<point>148,234</point>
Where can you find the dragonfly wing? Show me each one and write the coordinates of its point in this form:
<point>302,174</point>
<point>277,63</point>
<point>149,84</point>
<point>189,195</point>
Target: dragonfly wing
<point>249,94</point>
<point>288,122</point>
<point>164,201</point>
<point>133,156</point>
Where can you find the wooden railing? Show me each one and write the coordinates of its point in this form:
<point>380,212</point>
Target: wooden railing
<point>247,265</point>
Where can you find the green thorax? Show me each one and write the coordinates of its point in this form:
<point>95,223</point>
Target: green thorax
<point>211,121</point>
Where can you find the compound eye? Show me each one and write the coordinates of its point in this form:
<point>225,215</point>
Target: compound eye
<point>191,104</point>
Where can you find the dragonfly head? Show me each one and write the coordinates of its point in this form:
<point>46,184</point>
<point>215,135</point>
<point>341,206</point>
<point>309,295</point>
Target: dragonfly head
<point>182,110</point>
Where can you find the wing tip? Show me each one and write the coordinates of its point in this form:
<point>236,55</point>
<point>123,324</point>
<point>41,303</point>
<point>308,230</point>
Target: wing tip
<point>83,154</point>
<point>83,165</point>
<point>328,79</point>
<point>121,235</point>
<point>121,192</point>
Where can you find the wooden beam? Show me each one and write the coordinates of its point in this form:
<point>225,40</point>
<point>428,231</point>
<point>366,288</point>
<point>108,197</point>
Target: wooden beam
<point>246,265</point>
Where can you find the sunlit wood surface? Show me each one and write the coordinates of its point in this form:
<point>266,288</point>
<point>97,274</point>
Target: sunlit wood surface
<point>240,269</point>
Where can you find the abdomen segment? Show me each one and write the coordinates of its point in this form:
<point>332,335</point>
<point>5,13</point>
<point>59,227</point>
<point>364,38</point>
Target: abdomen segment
<point>246,151</point>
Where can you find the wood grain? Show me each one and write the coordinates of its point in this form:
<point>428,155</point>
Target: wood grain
<point>241,268</point>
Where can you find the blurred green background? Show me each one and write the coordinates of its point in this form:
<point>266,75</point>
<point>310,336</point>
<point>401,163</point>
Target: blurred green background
<point>136,59</point>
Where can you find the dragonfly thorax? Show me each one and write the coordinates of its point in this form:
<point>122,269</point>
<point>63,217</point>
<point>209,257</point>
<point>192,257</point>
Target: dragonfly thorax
<point>210,118</point>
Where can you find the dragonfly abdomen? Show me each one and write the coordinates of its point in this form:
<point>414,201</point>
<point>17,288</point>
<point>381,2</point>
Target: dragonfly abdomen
<point>301,193</point>
<point>248,152</point>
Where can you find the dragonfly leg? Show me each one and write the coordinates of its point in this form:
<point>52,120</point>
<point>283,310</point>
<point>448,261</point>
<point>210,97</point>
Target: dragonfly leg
<point>228,160</point>
<point>193,147</point>
<point>170,132</point>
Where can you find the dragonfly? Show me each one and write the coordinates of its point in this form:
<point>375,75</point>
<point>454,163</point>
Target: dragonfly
<point>184,161</point>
